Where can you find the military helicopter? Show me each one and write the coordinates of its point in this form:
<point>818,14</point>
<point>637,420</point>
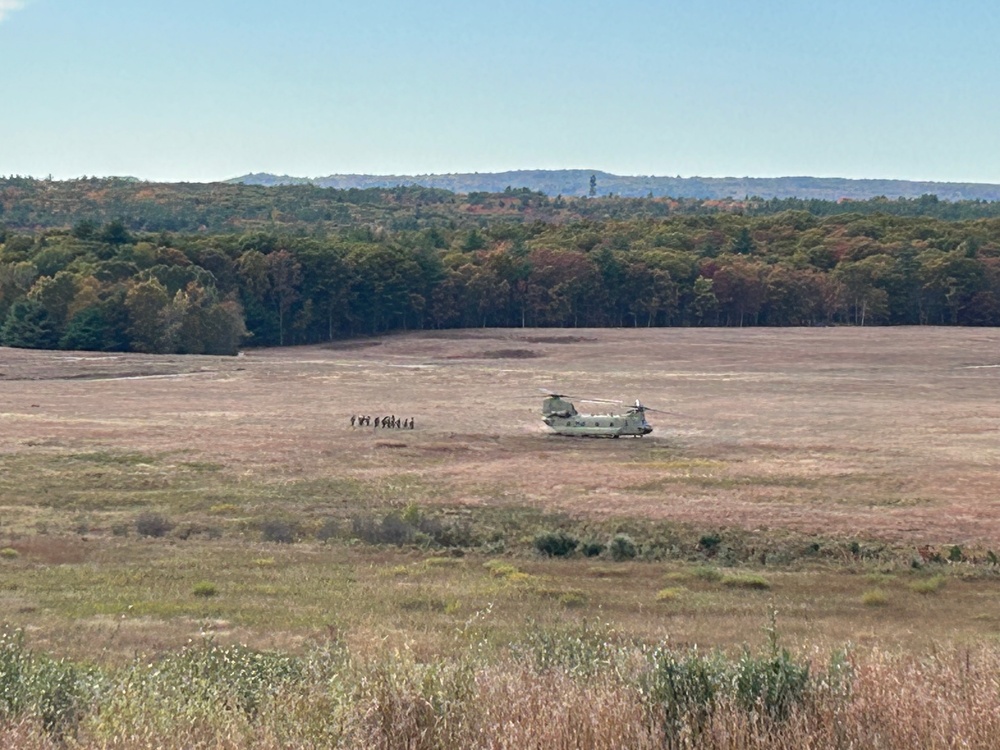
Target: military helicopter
<point>563,418</point>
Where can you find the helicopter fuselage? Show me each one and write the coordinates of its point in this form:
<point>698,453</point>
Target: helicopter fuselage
<point>562,418</point>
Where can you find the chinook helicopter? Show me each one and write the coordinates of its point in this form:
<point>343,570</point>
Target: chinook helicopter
<point>563,418</point>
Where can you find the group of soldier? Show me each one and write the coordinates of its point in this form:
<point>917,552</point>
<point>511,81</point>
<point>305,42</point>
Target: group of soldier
<point>388,423</point>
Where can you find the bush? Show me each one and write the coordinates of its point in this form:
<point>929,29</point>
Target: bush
<point>874,598</point>
<point>775,684</point>
<point>233,676</point>
<point>746,581</point>
<point>709,543</point>
<point>556,543</point>
<point>152,524</point>
<point>8,553</point>
<point>669,594</point>
<point>392,529</point>
<point>927,585</point>
<point>411,527</point>
<point>707,574</point>
<point>622,548</point>
<point>280,530</point>
<point>573,598</point>
<point>35,686</point>
<point>592,548</point>
<point>328,529</point>
<point>684,687</point>
<point>448,534</point>
<point>205,589</point>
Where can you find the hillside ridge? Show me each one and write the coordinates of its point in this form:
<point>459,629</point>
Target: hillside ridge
<point>576,182</point>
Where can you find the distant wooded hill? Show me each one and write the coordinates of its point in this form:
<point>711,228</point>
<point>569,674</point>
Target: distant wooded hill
<point>576,182</point>
<point>32,205</point>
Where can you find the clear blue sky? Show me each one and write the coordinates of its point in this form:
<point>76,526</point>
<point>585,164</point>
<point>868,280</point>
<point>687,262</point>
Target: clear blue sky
<point>210,89</point>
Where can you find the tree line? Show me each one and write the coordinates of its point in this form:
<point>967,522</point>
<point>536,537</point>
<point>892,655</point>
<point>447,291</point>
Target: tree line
<point>31,205</point>
<point>102,286</point>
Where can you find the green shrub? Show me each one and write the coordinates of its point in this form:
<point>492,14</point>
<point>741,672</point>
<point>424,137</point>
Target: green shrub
<point>746,581</point>
<point>707,574</point>
<point>928,585</point>
<point>35,686</point>
<point>709,543</point>
<point>500,569</point>
<point>684,687</point>
<point>213,677</point>
<point>583,650</point>
<point>205,589</point>
<point>592,548</point>
<point>622,548</point>
<point>573,598</point>
<point>874,598</point>
<point>669,594</point>
<point>9,553</point>
<point>775,684</point>
<point>556,543</point>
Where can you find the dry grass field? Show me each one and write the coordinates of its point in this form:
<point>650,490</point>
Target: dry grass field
<point>880,438</point>
<point>888,433</point>
<point>831,490</point>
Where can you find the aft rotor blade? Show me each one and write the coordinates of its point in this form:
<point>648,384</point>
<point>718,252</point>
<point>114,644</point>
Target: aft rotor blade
<point>664,411</point>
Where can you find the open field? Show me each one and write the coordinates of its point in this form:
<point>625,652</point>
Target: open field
<point>824,461</point>
<point>829,491</point>
<point>889,433</point>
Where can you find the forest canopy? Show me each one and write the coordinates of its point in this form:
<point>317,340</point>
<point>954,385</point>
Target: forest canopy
<point>120,265</point>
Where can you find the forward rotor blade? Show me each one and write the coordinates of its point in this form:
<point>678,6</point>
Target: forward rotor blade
<point>553,394</point>
<point>579,398</point>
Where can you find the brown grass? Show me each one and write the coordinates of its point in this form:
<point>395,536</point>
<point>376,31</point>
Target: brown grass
<point>889,430</point>
<point>875,434</point>
<point>947,700</point>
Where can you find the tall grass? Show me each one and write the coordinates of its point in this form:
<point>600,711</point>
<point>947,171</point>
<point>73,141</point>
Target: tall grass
<point>582,689</point>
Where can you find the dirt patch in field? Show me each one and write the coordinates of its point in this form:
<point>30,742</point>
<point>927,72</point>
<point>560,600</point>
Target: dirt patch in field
<point>350,345</point>
<point>389,444</point>
<point>52,550</point>
<point>558,339</point>
<point>502,354</point>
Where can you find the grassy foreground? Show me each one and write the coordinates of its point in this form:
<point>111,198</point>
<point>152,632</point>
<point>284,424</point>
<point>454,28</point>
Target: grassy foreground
<point>569,689</point>
<point>407,625</point>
